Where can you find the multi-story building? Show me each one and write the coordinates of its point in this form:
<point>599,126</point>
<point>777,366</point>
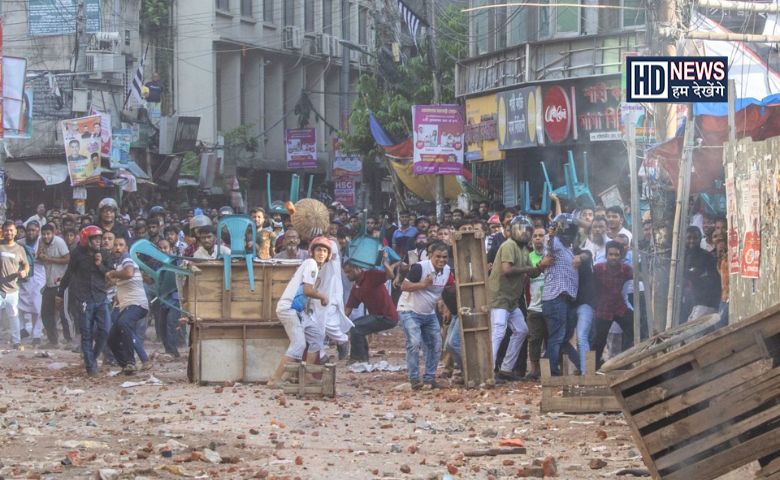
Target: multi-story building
<point>251,62</point>
<point>79,56</point>
<point>548,79</point>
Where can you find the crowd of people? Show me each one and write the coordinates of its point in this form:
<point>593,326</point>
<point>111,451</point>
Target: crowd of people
<point>551,279</point>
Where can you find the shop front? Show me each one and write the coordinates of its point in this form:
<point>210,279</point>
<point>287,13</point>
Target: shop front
<point>483,156</point>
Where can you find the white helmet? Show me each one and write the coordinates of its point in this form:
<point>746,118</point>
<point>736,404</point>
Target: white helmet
<point>200,221</point>
<point>108,202</point>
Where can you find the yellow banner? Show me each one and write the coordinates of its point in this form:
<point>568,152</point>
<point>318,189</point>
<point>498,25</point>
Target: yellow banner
<point>481,131</point>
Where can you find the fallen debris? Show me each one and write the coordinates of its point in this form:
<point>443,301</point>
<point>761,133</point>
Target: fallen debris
<point>492,452</point>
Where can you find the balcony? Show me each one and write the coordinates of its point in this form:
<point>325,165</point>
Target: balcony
<point>546,60</point>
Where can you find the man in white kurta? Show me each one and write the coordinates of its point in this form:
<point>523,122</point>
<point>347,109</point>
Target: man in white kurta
<point>337,324</point>
<point>30,296</point>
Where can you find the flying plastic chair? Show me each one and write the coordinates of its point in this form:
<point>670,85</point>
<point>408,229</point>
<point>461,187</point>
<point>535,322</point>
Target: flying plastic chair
<point>278,206</point>
<point>574,190</point>
<point>164,288</point>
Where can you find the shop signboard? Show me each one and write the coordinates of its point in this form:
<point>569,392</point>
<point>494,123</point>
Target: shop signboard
<point>438,139</point>
<point>301,148</point>
<point>598,109</point>
<point>481,129</point>
<point>83,143</point>
<point>347,170</point>
<point>519,118</point>
<point>344,191</point>
<point>558,110</point>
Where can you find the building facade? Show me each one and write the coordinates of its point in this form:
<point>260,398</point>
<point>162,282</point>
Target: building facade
<point>269,65</point>
<point>543,84</point>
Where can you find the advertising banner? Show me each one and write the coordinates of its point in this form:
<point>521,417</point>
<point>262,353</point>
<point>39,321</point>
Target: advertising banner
<point>58,17</point>
<point>105,133</point>
<point>83,143</point>
<point>344,190</point>
<point>13,78</point>
<point>301,148</point>
<point>438,139</point>
<point>120,147</point>
<point>519,118</point>
<point>731,212</point>
<point>558,110</point>
<point>482,129</point>
<point>347,165</point>
<point>751,245</point>
<point>24,128</point>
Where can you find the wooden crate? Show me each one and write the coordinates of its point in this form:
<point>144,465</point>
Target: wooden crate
<point>711,406</point>
<point>589,393</point>
<point>236,351</point>
<point>473,314</point>
<point>207,300</point>
<point>303,383</point>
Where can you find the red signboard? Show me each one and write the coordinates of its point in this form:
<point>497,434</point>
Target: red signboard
<point>558,114</point>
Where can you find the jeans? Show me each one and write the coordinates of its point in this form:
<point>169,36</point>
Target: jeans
<point>363,326</point>
<point>556,314</point>
<point>94,320</point>
<point>584,321</point>
<point>724,315</point>
<point>9,302</point>
<point>452,344</point>
<point>626,323</point>
<point>122,339</point>
<point>499,318</point>
<point>537,334</point>
<point>422,333</point>
<point>170,318</point>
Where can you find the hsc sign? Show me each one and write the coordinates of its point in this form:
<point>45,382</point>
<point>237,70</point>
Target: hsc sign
<point>677,79</point>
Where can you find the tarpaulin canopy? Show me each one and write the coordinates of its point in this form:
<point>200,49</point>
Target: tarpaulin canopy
<point>50,173</point>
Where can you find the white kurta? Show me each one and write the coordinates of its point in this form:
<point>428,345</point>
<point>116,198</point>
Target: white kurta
<point>30,289</point>
<point>337,324</point>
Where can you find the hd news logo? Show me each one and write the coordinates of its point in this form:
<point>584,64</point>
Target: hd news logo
<point>677,79</point>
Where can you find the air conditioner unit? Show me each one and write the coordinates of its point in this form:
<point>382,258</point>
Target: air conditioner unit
<point>292,37</point>
<point>336,47</point>
<point>104,63</point>
<point>322,45</point>
<point>354,56</point>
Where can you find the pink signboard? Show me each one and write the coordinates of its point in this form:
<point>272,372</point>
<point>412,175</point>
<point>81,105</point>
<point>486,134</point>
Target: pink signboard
<point>301,148</point>
<point>438,139</point>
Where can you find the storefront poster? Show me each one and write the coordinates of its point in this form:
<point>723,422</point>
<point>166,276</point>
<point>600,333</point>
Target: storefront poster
<point>731,212</point>
<point>598,109</point>
<point>345,165</point>
<point>481,130</point>
<point>83,143</point>
<point>105,133</point>
<point>558,110</point>
<point>301,148</point>
<point>438,139</point>
<point>344,190</point>
<point>519,118</point>
<point>120,147</point>
<point>751,245</point>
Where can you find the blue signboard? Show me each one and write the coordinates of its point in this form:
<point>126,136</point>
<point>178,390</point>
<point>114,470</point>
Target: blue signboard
<point>58,17</point>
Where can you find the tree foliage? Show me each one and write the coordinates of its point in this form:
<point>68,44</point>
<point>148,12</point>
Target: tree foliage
<point>391,97</point>
<point>154,14</point>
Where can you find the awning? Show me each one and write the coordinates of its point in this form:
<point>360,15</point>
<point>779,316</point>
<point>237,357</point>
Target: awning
<point>51,173</point>
<point>137,171</point>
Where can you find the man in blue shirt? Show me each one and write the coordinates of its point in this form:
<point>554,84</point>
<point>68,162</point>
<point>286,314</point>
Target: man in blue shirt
<point>403,237</point>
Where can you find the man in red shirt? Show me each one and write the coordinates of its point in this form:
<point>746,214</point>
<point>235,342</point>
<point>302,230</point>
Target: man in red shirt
<point>369,289</point>
<point>610,307</point>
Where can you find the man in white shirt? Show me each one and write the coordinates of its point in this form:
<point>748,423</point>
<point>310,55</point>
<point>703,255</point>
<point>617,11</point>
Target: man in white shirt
<point>54,255</point>
<point>40,216</point>
<point>30,297</point>
<point>207,238</point>
<point>421,289</point>
<point>132,307</point>
<point>597,240</point>
<point>615,218</point>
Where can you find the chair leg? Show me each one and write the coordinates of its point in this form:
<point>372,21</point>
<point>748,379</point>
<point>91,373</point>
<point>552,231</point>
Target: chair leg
<point>226,261</point>
<point>250,267</point>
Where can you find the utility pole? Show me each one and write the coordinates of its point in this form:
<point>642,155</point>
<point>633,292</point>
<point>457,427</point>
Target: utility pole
<point>667,12</point>
<point>635,231</point>
<point>2,134</point>
<point>436,99</point>
<point>344,79</point>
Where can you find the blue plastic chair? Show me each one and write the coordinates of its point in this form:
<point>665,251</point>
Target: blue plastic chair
<point>366,251</point>
<point>544,207</point>
<point>237,225</point>
<point>166,264</point>
<point>573,190</point>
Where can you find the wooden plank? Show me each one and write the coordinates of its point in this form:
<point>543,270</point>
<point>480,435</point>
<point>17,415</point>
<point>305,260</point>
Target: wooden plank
<point>701,393</point>
<point>646,457</point>
<point>577,380</point>
<point>729,405</point>
<point>684,381</point>
<point>581,404</point>
<point>590,363</point>
<point>728,432</point>
<point>768,471</point>
<point>704,349</point>
<point>728,460</point>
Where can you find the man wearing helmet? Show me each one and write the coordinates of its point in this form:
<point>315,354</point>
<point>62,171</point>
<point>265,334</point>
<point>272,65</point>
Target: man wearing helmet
<point>86,277</point>
<point>506,285</point>
<point>295,302</point>
<point>13,266</point>
<point>107,221</point>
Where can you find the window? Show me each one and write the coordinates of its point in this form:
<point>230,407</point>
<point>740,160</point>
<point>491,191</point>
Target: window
<point>289,12</point>
<point>268,11</point>
<point>500,28</point>
<point>327,17</point>
<point>223,5</point>
<point>246,8</point>
<point>363,25</point>
<point>558,21</point>
<point>308,15</point>
<point>633,18</point>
